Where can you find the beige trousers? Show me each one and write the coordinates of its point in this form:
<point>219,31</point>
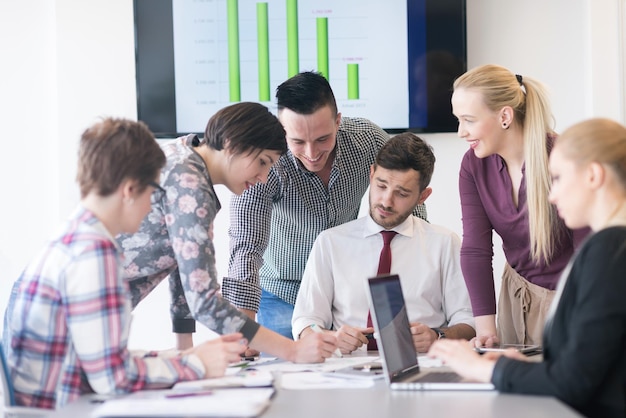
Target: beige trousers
<point>522,309</point>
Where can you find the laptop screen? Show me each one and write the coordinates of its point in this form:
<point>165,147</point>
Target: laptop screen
<point>392,326</point>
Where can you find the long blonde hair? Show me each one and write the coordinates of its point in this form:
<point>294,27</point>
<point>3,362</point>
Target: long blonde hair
<point>528,98</point>
<point>596,140</point>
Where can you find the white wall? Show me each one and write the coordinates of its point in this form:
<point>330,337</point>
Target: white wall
<point>67,62</point>
<point>28,118</point>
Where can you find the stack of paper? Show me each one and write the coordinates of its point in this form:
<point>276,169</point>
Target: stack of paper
<point>168,403</point>
<point>317,380</point>
<point>245,378</point>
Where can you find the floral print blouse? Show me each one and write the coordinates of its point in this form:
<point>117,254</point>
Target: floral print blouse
<point>176,241</point>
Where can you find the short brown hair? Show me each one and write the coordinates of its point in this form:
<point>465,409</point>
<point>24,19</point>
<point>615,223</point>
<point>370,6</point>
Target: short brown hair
<point>113,150</point>
<point>407,151</point>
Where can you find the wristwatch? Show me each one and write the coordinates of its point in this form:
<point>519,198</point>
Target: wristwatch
<point>439,332</point>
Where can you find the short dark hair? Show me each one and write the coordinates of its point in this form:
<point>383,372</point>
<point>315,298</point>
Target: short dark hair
<point>113,150</point>
<point>305,93</point>
<point>246,126</point>
<point>408,151</point>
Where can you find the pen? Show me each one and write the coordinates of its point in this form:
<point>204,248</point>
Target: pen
<point>188,394</point>
<point>317,329</point>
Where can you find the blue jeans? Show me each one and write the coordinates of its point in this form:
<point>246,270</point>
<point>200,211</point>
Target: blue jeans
<point>275,314</point>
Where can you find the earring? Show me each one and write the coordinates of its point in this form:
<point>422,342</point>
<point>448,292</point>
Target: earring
<point>504,125</point>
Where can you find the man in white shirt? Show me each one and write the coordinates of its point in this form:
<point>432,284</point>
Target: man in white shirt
<point>426,257</point>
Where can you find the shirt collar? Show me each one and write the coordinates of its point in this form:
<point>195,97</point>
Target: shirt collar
<point>84,215</point>
<point>372,228</point>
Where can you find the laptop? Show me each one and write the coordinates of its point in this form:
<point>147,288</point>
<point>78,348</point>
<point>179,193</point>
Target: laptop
<point>395,345</point>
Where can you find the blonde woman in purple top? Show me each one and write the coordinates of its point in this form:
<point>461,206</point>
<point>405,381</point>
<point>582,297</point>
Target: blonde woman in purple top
<point>504,184</point>
<point>584,341</point>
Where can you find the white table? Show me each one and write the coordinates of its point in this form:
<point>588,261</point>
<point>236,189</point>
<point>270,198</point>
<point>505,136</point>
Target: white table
<point>380,402</point>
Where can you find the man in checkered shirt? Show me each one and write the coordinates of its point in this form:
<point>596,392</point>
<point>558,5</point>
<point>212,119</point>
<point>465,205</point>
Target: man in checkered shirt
<point>318,184</point>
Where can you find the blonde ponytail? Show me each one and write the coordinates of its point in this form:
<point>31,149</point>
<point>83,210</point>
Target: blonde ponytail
<point>529,100</point>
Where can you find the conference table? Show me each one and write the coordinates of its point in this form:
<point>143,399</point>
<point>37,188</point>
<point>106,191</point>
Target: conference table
<point>378,401</point>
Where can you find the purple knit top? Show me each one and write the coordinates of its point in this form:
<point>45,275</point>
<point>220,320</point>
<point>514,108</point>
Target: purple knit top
<point>487,205</point>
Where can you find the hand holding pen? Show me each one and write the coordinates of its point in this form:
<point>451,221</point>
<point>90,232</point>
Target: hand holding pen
<point>318,330</point>
<point>350,338</point>
<point>217,354</point>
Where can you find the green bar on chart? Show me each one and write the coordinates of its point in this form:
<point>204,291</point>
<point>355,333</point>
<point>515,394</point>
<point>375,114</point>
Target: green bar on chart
<point>263,42</point>
<point>353,81</point>
<point>234,71</point>
<point>293,58</point>
<point>322,46</point>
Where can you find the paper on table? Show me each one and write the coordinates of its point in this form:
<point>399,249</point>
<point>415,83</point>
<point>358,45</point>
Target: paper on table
<point>315,380</point>
<point>332,363</point>
<point>220,403</point>
<point>244,378</point>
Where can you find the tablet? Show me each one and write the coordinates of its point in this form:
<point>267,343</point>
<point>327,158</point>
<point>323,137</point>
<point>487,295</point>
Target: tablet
<point>529,350</point>
<point>371,370</point>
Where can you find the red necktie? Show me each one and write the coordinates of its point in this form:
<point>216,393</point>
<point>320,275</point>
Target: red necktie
<point>384,267</point>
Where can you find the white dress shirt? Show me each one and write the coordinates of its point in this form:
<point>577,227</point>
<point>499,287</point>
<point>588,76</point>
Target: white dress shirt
<point>425,256</point>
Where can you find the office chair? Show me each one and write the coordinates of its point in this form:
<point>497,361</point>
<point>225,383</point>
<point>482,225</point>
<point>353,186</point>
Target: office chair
<point>11,409</point>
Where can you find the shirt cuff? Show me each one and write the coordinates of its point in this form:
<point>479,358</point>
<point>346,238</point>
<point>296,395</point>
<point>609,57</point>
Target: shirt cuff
<point>195,364</point>
<point>498,376</point>
<point>249,329</point>
<point>242,294</point>
<point>300,324</point>
<point>184,326</point>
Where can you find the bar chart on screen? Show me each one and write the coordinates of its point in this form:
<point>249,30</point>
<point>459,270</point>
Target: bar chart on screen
<point>228,51</point>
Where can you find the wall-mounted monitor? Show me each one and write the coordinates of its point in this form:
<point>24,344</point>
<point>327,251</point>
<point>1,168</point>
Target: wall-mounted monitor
<point>391,61</point>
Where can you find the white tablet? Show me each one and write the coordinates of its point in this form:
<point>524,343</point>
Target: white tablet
<point>528,350</point>
<point>371,370</point>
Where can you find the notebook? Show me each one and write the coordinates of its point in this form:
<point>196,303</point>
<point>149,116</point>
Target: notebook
<point>397,353</point>
<point>232,402</point>
<point>245,378</point>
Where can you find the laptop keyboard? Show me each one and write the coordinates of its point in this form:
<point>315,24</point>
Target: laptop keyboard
<point>438,377</point>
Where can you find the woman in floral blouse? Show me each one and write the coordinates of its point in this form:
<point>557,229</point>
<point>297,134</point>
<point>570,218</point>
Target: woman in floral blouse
<point>241,142</point>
